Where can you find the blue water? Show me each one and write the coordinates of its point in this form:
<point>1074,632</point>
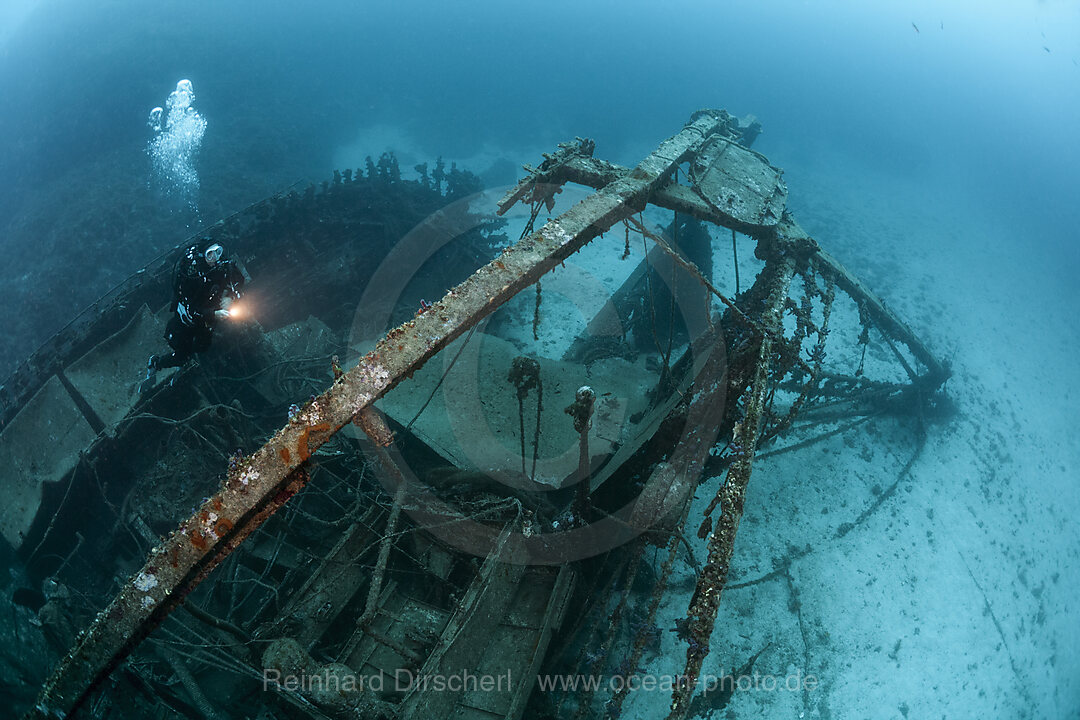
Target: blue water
<point>933,146</point>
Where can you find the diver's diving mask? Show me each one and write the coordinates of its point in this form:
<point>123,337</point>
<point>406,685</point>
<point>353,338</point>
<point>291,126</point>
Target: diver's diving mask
<point>213,254</point>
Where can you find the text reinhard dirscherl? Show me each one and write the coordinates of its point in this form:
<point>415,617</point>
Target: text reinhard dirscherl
<point>466,681</point>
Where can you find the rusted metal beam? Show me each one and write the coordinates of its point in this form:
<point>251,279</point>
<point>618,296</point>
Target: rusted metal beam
<point>888,321</point>
<point>267,479</point>
<point>596,173</point>
<point>593,172</point>
<point>731,496</point>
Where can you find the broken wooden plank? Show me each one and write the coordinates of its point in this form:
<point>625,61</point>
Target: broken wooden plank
<point>457,650</point>
<point>511,648</point>
<point>266,480</point>
<point>557,605</point>
<point>326,592</point>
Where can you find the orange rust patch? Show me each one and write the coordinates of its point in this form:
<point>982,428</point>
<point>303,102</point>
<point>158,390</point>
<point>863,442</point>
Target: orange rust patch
<point>284,455</point>
<point>222,527</point>
<point>302,444</point>
<point>197,539</point>
<point>217,503</point>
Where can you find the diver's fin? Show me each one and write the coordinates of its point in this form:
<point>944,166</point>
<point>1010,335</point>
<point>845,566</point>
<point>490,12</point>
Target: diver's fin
<point>151,375</point>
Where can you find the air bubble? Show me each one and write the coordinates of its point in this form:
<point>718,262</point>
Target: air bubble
<point>178,133</point>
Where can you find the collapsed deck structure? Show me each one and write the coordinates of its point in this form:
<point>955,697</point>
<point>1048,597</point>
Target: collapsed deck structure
<point>424,554</point>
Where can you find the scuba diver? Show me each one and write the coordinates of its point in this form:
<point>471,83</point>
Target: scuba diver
<point>203,288</point>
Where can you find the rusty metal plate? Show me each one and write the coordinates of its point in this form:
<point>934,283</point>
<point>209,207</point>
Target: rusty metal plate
<point>40,445</point>
<point>740,184</point>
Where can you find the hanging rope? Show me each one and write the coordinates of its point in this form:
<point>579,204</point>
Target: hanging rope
<point>864,336</point>
<point>735,259</point>
<point>696,273</point>
<point>817,355</point>
<point>445,373</point>
<point>649,291</point>
<point>536,432</point>
<point>524,375</point>
<point>536,313</point>
<point>665,377</point>
<point>534,212</point>
<point>648,627</point>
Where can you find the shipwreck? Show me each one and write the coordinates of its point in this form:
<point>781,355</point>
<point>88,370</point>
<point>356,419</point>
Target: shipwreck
<point>364,486</point>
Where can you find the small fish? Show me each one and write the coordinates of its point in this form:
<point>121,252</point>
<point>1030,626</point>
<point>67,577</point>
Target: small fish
<point>915,26</point>
<point>1046,48</point>
<point>942,24</point>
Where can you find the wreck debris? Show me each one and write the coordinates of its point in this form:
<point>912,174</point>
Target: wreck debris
<point>520,592</point>
<point>375,427</point>
<point>266,480</point>
<point>35,458</point>
<point>757,219</point>
<point>581,411</point>
<point>732,494</point>
<point>524,375</point>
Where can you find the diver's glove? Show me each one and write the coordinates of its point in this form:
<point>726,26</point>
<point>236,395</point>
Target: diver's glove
<point>226,311</point>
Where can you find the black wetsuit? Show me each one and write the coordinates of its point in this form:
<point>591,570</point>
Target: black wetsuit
<point>198,290</point>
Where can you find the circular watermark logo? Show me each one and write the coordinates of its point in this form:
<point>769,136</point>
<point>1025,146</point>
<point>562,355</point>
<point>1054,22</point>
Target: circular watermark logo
<point>494,405</point>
